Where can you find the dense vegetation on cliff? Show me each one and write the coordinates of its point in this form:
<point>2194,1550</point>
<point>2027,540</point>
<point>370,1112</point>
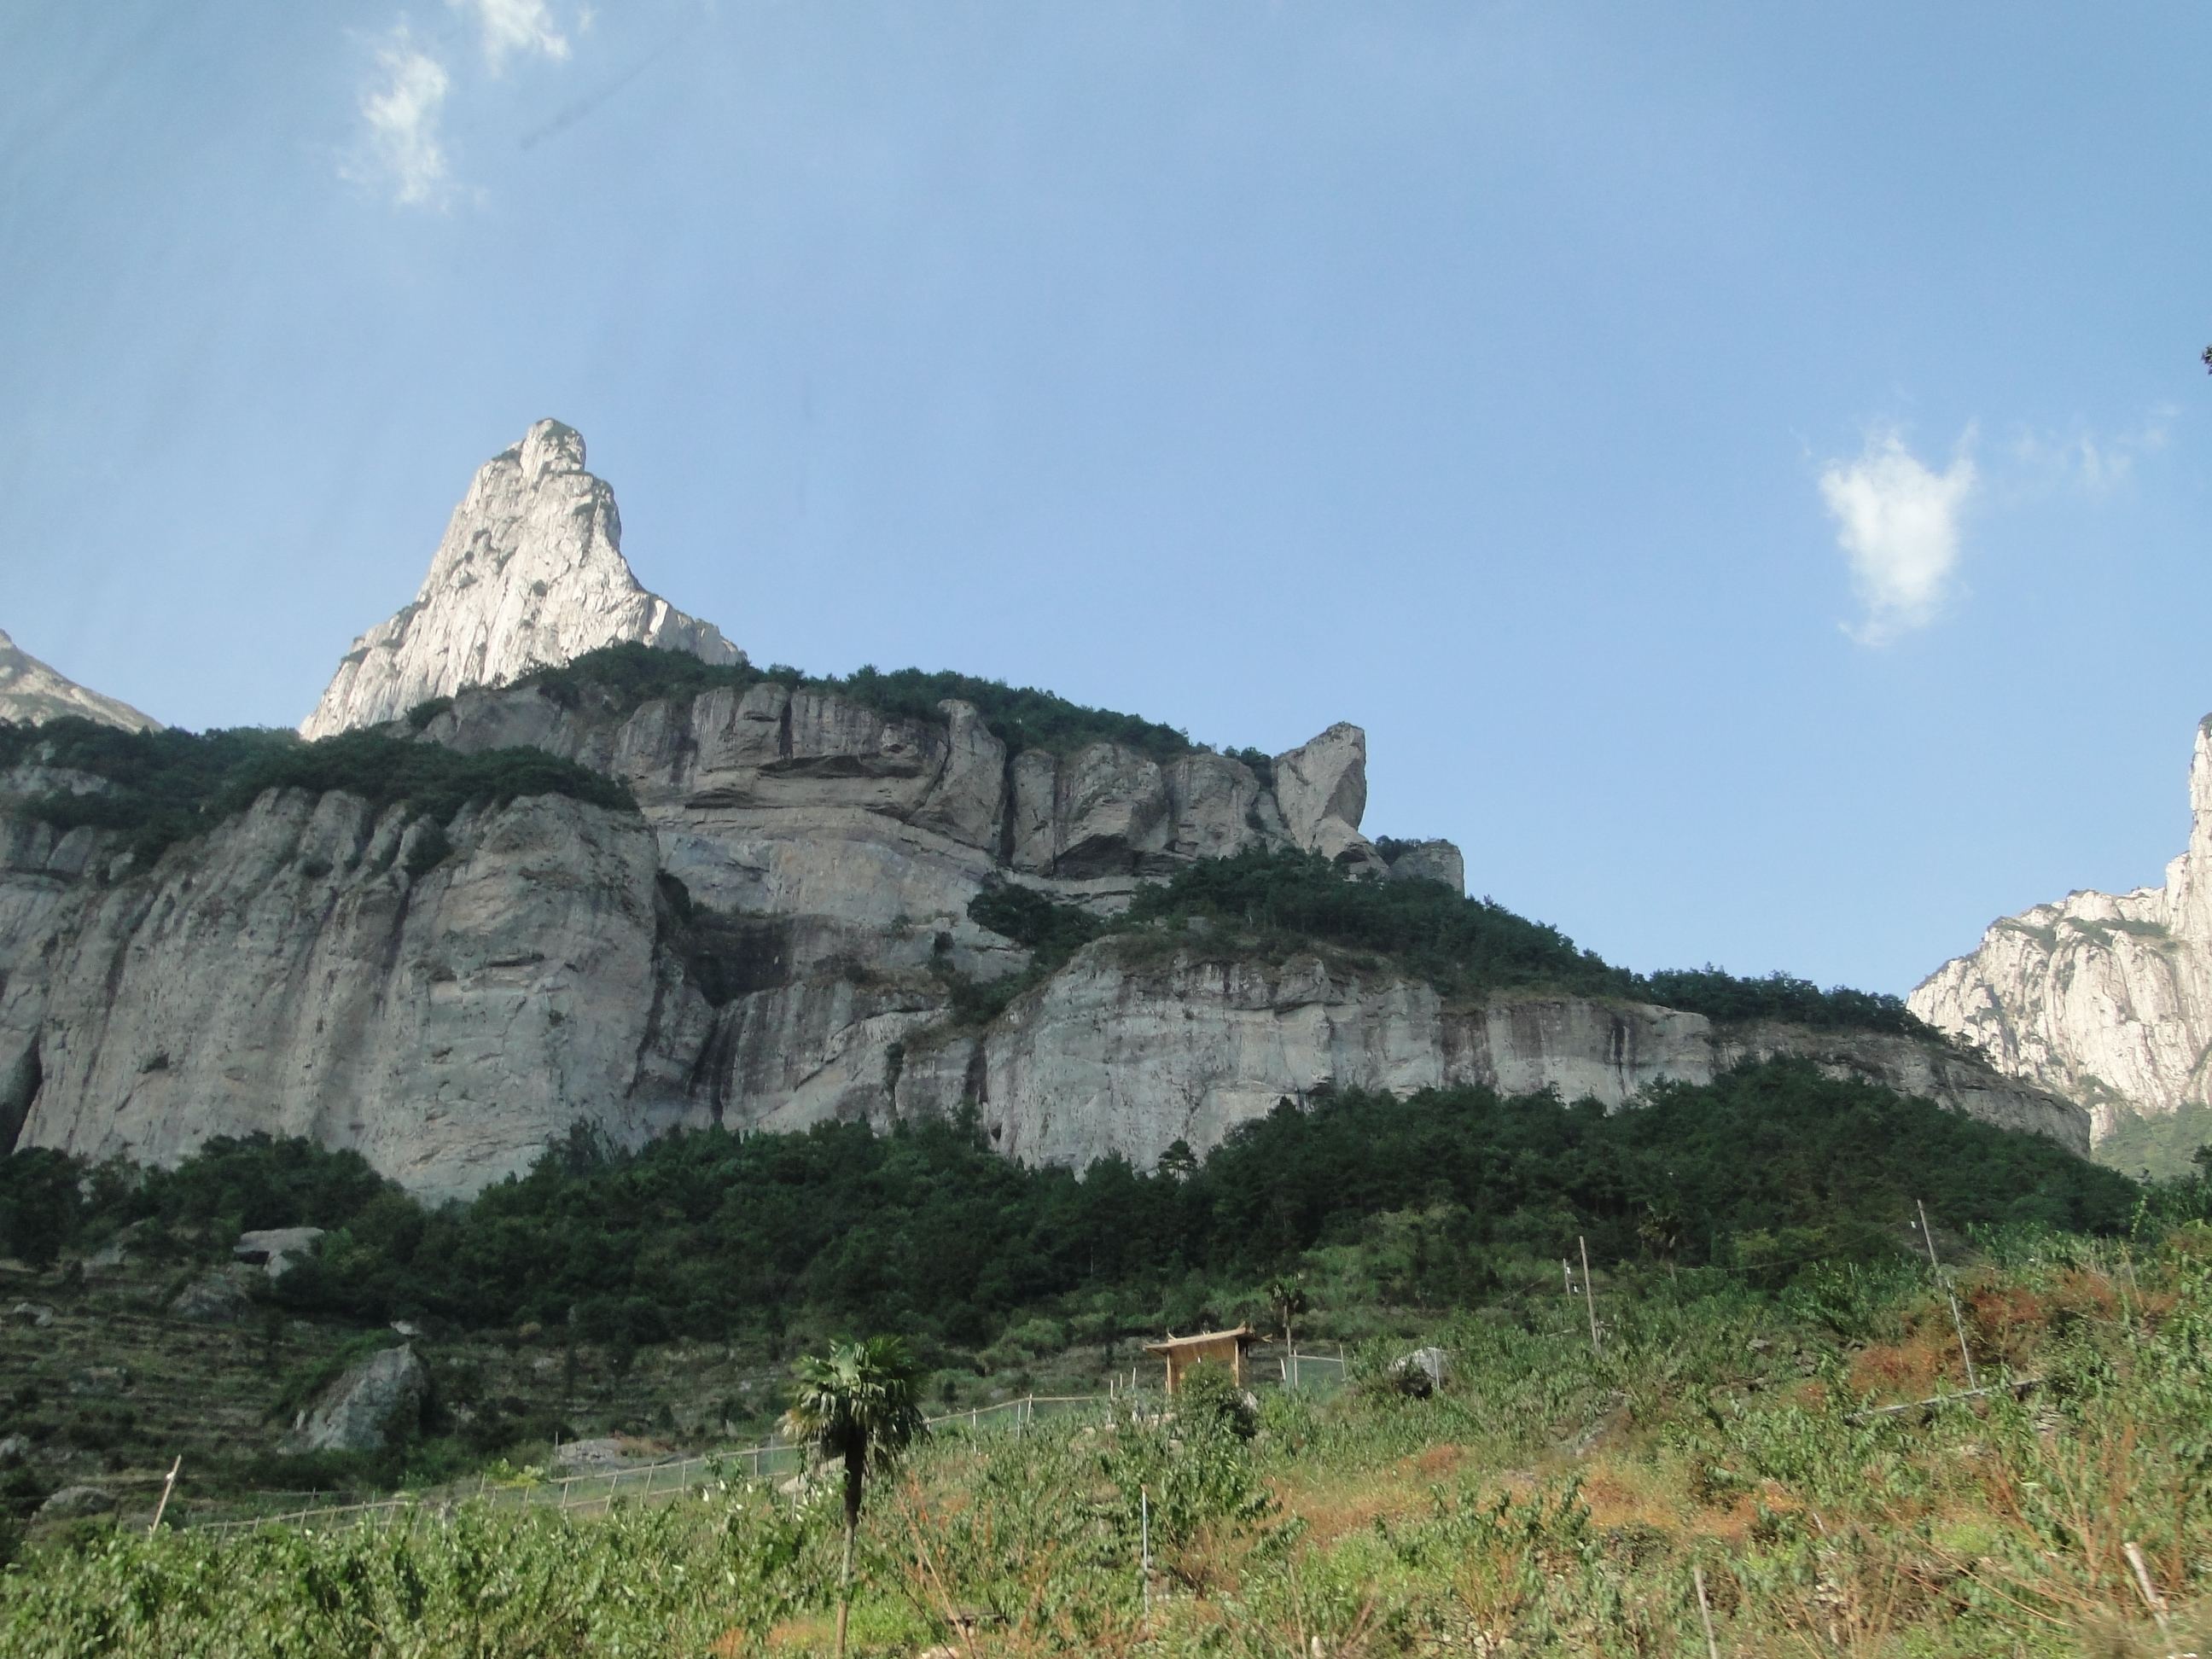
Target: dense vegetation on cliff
<point>1021,717</point>
<point>925,1229</point>
<point>170,785</point>
<point>1272,903</point>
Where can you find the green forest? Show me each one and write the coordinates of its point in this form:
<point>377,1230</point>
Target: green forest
<point>171,785</point>
<point>926,1232</point>
<point>630,676</point>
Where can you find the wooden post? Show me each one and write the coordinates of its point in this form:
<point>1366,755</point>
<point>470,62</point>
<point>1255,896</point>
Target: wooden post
<point>1957,1323</point>
<point>167,1486</point>
<point>1589,1300</point>
<point>1704,1612</point>
<point>2152,1599</point>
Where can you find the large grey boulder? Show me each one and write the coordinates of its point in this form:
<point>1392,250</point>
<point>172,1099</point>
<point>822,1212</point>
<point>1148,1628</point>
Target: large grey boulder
<point>1434,859</point>
<point>213,1299</point>
<point>76,1503</point>
<point>376,1402</point>
<point>276,1250</point>
<point>1322,788</point>
<point>531,573</point>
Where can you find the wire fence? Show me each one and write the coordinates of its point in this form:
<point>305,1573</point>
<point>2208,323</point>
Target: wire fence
<point>770,1463</point>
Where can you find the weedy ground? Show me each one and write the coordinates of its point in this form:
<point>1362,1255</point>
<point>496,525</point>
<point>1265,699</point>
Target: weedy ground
<point>1548,1499</point>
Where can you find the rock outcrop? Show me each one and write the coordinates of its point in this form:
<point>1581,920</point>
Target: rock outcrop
<point>286,974</point>
<point>2106,997</point>
<point>276,1250</point>
<point>31,692</point>
<point>530,574</point>
<point>375,1403</point>
<point>1121,1055</point>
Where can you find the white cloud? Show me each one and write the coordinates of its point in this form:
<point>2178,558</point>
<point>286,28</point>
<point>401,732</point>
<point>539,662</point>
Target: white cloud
<point>401,109</point>
<point>1897,522</point>
<point>509,27</point>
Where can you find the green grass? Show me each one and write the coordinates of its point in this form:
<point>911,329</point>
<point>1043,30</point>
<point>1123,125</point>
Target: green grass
<point>1550,1499</point>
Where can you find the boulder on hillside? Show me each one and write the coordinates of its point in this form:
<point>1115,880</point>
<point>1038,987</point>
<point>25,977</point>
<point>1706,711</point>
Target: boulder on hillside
<point>1435,860</point>
<point>75,1502</point>
<point>213,1299</point>
<point>606,1452</point>
<point>33,1313</point>
<point>372,1403</point>
<point>276,1250</point>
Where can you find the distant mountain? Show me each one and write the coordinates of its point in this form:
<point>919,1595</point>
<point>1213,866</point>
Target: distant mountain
<point>31,692</point>
<point>531,574</point>
<point>2105,997</point>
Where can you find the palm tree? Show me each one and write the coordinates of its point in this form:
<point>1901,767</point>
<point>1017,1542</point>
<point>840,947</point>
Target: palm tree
<point>860,1403</point>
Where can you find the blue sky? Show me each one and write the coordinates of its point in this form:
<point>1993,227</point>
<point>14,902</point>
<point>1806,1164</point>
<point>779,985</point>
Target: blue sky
<point>1744,465</point>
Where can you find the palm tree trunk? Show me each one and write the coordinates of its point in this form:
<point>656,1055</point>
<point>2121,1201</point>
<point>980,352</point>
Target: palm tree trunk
<point>854,1465</point>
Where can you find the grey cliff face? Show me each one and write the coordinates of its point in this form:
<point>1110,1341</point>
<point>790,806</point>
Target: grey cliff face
<point>765,941</point>
<point>1118,1057</point>
<point>530,574</point>
<point>32,693</point>
<point>2106,997</point>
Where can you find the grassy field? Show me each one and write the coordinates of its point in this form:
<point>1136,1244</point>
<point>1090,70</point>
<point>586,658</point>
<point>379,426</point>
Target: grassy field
<point>1548,1499</point>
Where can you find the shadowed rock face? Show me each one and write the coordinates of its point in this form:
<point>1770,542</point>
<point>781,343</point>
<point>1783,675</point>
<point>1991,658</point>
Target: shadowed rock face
<point>2106,997</point>
<point>530,574</point>
<point>764,941</point>
<point>377,1402</point>
<point>31,692</point>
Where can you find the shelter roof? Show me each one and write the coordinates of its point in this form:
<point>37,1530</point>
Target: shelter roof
<point>1242,1334</point>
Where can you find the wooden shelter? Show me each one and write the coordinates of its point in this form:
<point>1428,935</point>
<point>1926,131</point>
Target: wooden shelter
<point>1216,1347</point>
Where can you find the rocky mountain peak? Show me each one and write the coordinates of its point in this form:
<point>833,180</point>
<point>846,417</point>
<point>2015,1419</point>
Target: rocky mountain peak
<point>530,574</point>
<point>31,692</point>
<point>2106,997</point>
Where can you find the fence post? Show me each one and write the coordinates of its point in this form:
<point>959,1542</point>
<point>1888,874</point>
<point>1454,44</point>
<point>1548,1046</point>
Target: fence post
<point>1704,1613</point>
<point>167,1486</point>
<point>1589,1300</point>
<point>1957,1323</point>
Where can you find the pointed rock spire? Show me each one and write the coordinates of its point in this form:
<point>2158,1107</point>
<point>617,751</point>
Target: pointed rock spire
<point>530,574</point>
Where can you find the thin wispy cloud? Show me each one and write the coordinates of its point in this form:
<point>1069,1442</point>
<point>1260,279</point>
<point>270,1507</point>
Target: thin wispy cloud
<point>1897,522</point>
<point>402,151</point>
<point>2093,462</point>
<point>511,27</point>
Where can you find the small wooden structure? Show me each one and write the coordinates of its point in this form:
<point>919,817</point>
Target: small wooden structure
<point>1215,1347</point>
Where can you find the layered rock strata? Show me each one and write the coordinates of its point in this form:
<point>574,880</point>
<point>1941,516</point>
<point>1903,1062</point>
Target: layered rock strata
<point>530,574</point>
<point>2106,997</point>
